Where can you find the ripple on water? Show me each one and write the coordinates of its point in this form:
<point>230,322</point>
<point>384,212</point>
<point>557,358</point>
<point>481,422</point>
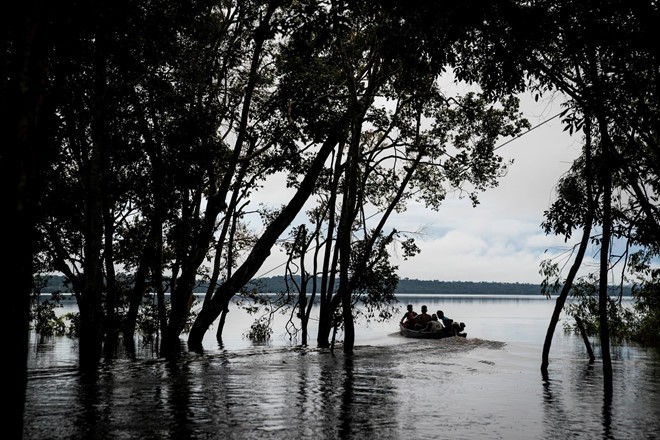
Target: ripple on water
<point>467,388</point>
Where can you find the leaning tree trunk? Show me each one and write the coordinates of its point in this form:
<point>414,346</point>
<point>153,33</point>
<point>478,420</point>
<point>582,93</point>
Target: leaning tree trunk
<point>572,273</point>
<point>561,299</point>
<point>261,250</point>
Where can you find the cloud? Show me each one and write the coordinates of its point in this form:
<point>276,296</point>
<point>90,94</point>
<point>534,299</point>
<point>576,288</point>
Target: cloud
<point>500,239</point>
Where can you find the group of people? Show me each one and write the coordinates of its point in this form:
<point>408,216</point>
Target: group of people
<point>436,322</point>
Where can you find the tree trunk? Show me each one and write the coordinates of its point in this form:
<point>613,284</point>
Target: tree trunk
<point>585,339</point>
<point>137,294</point>
<point>25,115</point>
<point>606,176</point>
<point>584,242</point>
<point>327,273</point>
<point>91,311</point>
<point>302,294</point>
<point>181,297</point>
<point>261,250</point>
<point>221,325</point>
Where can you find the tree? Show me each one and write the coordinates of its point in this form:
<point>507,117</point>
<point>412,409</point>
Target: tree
<point>29,35</point>
<point>363,59</point>
<point>598,54</point>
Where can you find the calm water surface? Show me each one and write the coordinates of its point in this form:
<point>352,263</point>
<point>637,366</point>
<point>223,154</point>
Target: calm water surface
<point>487,386</point>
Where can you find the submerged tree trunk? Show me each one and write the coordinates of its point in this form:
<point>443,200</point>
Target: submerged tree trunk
<point>221,325</point>
<point>326,311</point>
<point>91,311</point>
<point>587,345</point>
<point>261,250</point>
<point>25,117</point>
<point>586,235</point>
<point>606,176</point>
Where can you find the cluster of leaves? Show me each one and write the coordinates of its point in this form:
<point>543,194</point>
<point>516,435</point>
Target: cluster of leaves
<point>622,321</point>
<point>635,321</point>
<point>376,284</point>
<point>260,331</point>
<point>646,294</point>
<point>46,322</point>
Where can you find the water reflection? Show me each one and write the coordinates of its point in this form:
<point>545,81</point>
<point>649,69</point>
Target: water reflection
<point>576,404</point>
<point>470,388</point>
<point>347,402</point>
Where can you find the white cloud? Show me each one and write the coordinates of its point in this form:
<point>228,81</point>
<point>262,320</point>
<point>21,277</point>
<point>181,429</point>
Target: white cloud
<point>500,239</point>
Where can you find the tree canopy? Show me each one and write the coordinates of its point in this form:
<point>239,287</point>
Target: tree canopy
<point>138,136</point>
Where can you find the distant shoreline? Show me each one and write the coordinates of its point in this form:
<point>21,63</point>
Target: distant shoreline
<point>406,286</point>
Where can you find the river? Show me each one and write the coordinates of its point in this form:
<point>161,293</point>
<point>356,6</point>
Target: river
<point>487,385</point>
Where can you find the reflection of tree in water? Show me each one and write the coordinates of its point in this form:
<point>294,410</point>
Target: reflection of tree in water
<point>378,392</point>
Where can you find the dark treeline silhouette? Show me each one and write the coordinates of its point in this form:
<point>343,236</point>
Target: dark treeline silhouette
<point>276,284</point>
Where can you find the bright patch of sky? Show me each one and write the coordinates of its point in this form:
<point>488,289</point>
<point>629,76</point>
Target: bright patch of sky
<point>501,239</point>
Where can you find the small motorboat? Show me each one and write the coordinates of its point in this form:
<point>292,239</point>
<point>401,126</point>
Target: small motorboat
<point>445,333</point>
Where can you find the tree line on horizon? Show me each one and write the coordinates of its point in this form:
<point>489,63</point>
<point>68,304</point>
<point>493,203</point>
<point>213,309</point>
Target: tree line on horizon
<point>138,133</point>
<point>276,284</point>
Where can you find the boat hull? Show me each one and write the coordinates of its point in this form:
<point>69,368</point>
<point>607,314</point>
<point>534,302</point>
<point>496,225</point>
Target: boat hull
<point>428,335</point>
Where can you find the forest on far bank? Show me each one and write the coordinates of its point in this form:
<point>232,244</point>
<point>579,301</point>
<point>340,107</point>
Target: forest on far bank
<point>276,284</point>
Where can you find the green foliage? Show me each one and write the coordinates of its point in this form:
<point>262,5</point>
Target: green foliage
<point>260,331</point>
<point>46,322</point>
<point>646,294</point>
<point>376,283</point>
<point>568,212</point>
<point>73,327</point>
<point>647,306</point>
<point>147,321</point>
<point>551,282</point>
<point>622,321</point>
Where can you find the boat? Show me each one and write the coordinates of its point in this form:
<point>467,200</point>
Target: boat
<point>408,333</point>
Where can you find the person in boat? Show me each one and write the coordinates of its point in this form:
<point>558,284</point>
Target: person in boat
<point>446,321</point>
<point>434,325</point>
<point>450,327</point>
<point>422,319</point>
<point>409,318</point>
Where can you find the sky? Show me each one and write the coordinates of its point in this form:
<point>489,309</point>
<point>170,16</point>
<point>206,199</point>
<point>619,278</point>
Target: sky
<point>501,239</point>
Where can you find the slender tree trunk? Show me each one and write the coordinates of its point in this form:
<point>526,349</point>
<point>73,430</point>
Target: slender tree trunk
<point>606,176</point>
<point>111,324</point>
<point>327,277</point>
<point>302,295</point>
<point>221,325</point>
<point>561,299</point>
<point>585,339</point>
<point>584,242</point>
<point>91,312</point>
<point>345,235</point>
<point>261,250</point>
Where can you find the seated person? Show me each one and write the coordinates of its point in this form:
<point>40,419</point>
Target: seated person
<point>422,319</point>
<point>410,318</point>
<point>411,322</point>
<point>434,325</point>
<point>451,327</point>
<point>445,320</point>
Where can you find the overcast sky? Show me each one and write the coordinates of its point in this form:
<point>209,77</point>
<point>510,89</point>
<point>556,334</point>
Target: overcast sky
<point>500,239</point>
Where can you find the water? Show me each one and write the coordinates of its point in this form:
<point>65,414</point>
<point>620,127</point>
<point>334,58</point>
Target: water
<point>488,385</point>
